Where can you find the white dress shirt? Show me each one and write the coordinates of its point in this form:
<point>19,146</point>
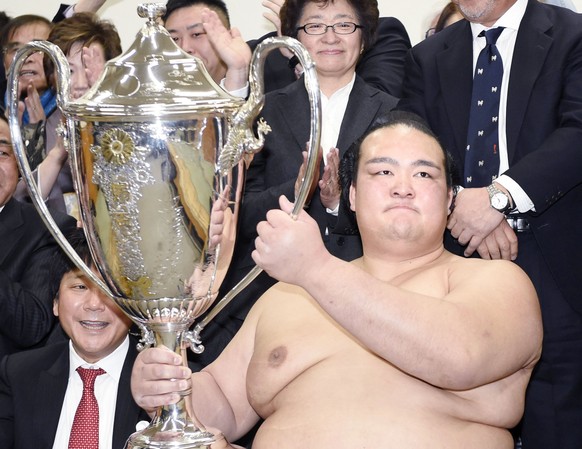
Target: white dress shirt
<point>333,110</point>
<point>505,44</point>
<point>105,392</point>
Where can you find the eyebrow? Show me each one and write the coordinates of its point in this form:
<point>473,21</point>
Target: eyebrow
<point>188,28</point>
<point>337,16</point>
<point>417,163</point>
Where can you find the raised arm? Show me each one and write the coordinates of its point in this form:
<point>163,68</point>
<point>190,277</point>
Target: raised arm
<point>231,48</point>
<point>88,5</point>
<point>472,323</point>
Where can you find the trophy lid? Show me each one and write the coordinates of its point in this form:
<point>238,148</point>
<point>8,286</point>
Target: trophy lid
<point>153,78</point>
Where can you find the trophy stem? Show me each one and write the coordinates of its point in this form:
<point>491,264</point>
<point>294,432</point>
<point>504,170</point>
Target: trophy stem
<point>174,426</point>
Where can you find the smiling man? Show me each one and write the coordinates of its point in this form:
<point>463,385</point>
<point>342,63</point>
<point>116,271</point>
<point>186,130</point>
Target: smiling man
<point>51,376</point>
<point>403,348</point>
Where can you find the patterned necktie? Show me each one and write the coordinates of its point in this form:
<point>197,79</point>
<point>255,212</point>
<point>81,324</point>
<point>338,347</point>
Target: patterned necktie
<point>85,429</point>
<point>482,155</point>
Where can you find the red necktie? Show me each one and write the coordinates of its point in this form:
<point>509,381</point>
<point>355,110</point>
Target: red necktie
<point>85,430</point>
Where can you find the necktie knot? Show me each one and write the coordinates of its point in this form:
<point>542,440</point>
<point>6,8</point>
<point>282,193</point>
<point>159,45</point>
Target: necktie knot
<point>491,35</point>
<point>88,376</point>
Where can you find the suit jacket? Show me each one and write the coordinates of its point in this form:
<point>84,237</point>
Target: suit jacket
<point>26,248</point>
<point>544,121</point>
<point>382,65</point>
<point>32,389</point>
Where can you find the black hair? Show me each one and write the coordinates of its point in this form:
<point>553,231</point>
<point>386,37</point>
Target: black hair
<point>215,5</point>
<point>366,11</point>
<point>349,164</point>
<point>61,264</point>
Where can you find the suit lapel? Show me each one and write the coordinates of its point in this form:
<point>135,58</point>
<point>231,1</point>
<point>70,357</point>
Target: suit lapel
<point>361,110</point>
<point>531,49</point>
<point>127,413</point>
<point>293,105</point>
<point>51,388</point>
<point>455,72</point>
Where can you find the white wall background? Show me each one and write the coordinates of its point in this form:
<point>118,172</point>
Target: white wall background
<point>245,14</point>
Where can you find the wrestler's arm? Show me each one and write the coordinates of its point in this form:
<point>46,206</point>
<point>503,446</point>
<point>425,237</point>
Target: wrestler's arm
<point>487,327</point>
<point>219,398</point>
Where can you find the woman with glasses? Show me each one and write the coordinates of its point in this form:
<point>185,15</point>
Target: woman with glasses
<point>336,33</point>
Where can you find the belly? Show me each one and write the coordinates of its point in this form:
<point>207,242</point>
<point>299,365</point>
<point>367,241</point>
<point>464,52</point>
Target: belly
<point>369,404</point>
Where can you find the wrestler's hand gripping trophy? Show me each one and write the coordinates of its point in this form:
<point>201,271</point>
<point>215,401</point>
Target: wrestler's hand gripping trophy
<point>157,152</point>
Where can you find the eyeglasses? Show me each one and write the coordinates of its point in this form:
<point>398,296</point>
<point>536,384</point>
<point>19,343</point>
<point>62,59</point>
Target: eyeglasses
<point>338,28</point>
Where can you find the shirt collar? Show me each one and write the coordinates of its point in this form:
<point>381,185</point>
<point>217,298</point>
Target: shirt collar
<point>112,364</point>
<point>510,20</point>
<point>342,90</point>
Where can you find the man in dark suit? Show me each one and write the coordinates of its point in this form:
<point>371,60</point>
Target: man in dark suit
<point>540,135</point>
<point>25,249</point>
<point>48,376</point>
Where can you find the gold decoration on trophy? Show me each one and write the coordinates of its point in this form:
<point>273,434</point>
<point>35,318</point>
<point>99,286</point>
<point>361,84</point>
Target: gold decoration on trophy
<point>117,146</point>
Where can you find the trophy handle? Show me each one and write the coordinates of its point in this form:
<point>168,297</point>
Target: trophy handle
<point>243,121</point>
<point>63,88</point>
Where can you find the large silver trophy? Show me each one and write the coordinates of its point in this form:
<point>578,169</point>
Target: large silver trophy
<point>158,152</point>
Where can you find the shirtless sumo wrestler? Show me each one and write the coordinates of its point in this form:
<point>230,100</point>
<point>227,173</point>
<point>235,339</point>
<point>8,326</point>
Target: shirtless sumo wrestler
<point>408,347</point>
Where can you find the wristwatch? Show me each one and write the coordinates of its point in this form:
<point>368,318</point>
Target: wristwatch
<point>498,199</point>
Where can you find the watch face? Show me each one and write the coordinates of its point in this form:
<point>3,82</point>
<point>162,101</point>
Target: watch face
<point>499,201</point>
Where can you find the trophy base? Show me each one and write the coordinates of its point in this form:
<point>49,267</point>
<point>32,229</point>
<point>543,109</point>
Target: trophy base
<point>151,438</point>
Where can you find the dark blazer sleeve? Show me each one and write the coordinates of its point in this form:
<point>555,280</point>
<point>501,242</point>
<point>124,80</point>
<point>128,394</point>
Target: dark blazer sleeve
<point>60,15</point>
<point>26,316</point>
<point>382,66</point>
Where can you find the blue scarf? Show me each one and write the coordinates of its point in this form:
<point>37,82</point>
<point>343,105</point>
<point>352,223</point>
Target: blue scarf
<point>48,101</point>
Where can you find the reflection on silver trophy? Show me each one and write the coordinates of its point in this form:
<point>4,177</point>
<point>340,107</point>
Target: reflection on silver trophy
<point>158,151</point>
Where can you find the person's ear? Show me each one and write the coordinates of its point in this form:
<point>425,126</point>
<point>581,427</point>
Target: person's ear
<point>56,305</point>
<point>353,198</point>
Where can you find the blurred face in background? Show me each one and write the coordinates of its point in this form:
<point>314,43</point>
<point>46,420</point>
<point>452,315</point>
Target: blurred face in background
<point>32,70</point>
<point>79,80</point>
<point>185,27</point>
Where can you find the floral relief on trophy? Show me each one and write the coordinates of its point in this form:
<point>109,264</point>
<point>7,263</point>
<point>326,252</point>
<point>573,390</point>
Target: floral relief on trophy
<point>117,146</point>
<point>120,171</point>
<point>184,78</point>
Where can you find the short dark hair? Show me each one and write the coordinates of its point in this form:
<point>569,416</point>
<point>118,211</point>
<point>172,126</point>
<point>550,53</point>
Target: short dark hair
<point>61,264</point>
<point>86,28</point>
<point>17,22</point>
<point>366,10</point>
<point>215,5</point>
<point>348,169</point>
